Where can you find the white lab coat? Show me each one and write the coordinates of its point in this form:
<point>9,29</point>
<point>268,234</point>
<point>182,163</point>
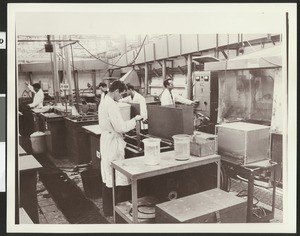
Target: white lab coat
<point>102,96</point>
<point>137,98</point>
<point>112,145</point>
<point>101,100</point>
<point>166,98</point>
<point>38,98</point>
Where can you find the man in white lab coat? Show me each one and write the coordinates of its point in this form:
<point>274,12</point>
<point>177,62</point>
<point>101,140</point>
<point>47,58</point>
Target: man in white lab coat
<point>38,95</point>
<point>169,98</point>
<point>112,145</point>
<point>135,97</point>
<point>104,89</point>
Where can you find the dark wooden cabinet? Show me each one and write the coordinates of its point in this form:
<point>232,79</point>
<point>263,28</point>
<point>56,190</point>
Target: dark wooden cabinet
<point>77,141</point>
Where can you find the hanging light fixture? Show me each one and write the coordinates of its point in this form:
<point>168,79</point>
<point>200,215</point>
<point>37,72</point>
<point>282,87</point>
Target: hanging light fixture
<point>48,45</point>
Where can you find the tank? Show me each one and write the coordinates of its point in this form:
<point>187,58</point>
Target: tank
<point>181,146</point>
<point>243,143</point>
<point>152,151</point>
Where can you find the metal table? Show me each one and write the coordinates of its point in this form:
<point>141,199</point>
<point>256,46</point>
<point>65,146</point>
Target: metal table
<point>28,167</point>
<point>135,169</point>
<point>250,171</point>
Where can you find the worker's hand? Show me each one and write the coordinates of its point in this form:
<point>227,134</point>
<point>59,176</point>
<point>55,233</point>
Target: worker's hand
<point>195,102</point>
<point>26,83</point>
<point>138,117</point>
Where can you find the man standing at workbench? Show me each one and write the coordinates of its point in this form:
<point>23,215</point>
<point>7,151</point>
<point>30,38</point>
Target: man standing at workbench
<point>38,95</point>
<point>135,97</point>
<point>112,145</point>
<point>169,98</point>
<point>25,111</point>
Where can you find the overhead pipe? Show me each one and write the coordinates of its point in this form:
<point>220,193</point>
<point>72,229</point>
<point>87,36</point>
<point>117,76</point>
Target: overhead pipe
<point>56,89</point>
<point>76,85</point>
<point>189,76</point>
<point>217,46</point>
<point>94,81</point>
<point>75,72</point>
<point>164,70</point>
<point>68,72</point>
<point>146,79</point>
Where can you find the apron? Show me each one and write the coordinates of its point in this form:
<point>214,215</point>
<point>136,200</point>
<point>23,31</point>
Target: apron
<point>112,148</point>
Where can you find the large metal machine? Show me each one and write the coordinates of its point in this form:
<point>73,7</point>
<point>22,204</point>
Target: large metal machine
<point>251,89</point>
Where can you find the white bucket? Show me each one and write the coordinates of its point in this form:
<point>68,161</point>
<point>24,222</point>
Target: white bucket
<point>181,146</point>
<point>152,151</point>
<point>38,142</point>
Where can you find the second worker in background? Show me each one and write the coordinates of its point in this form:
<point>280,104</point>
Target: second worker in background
<point>168,97</point>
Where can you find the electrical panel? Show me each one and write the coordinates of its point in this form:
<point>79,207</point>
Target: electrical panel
<point>206,91</point>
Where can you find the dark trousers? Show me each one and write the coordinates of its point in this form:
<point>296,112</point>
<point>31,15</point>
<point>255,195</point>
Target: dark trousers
<point>26,121</point>
<point>123,193</point>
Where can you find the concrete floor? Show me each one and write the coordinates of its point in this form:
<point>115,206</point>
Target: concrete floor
<point>49,213</point>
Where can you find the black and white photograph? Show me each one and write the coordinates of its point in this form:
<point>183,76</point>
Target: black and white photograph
<point>177,115</point>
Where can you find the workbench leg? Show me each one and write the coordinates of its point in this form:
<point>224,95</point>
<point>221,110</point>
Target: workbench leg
<point>250,196</point>
<point>134,201</point>
<point>274,192</point>
<point>218,174</point>
<point>28,194</point>
<point>114,192</point>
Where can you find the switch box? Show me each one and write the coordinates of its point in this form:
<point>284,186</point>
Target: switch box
<point>206,91</point>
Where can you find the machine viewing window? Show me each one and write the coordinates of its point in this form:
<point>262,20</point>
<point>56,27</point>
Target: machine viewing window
<point>246,95</point>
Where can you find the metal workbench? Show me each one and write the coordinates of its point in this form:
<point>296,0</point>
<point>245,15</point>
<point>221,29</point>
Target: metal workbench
<point>249,172</point>
<point>28,167</point>
<point>135,169</point>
